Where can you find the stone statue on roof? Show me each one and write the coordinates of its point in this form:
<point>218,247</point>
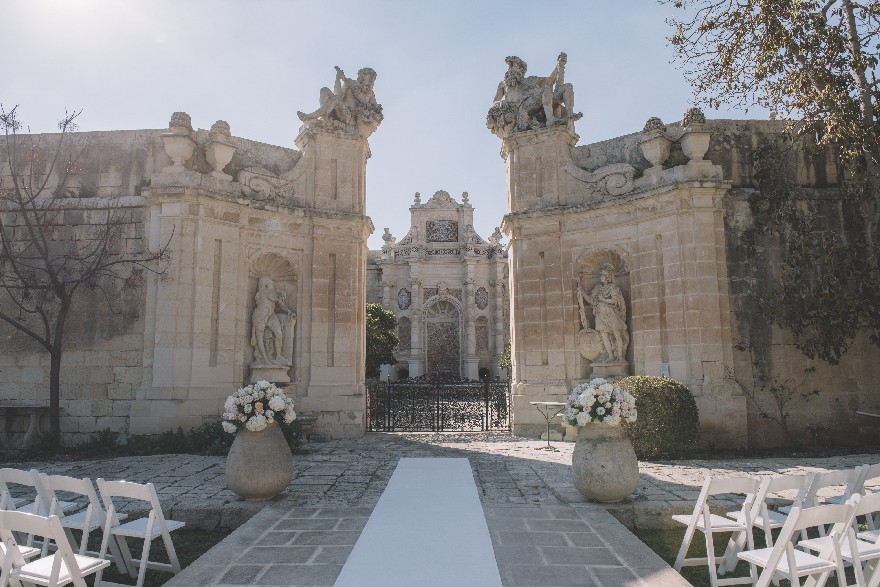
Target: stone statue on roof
<point>526,103</point>
<point>350,107</point>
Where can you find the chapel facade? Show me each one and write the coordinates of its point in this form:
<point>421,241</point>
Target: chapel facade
<point>447,286</point>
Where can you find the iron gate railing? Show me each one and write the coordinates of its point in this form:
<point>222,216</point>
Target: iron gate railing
<point>437,403</point>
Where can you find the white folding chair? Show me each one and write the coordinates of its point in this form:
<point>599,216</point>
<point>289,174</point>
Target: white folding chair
<point>53,570</point>
<point>846,477</point>
<point>865,550</point>
<point>708,523</point>
<point>783,560</point>
<point>856,485</point>
<point>762,516</point>
<point>40,500</point>
<point>149,528</point>
<point>86,520</point>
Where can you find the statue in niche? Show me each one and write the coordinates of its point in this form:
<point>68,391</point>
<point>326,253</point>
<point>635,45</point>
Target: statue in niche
<point>264,318</point>
<point>350,107</point>
<point>525,103</point>
<point>609,309</point>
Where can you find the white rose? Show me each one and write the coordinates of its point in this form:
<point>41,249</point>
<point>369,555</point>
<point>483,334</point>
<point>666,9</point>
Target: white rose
<point>583,419</point>
<point>230,403</point>
<point>600,411</point>
<point>289,416</point>
<point>229,427</point>
<point>276,404</point>
<point>257,423</point>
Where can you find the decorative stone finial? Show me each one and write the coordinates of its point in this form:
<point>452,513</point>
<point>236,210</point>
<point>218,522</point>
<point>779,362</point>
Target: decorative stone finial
<point>693,117</point>
<point>220,131</point>
<point>496,237</point>
<point>654,123</point>
<point>181,122</point>
<point>464,199</point>
<point>219,150</point>
<point>388,237</point>
<point>418,199</point>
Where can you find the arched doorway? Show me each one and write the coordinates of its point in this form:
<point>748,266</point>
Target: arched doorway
<point>443,338</point>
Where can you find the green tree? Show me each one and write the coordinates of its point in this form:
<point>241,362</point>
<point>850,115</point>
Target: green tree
<point>813,63</point>
<point>504,358</point>
<point>381,338</point>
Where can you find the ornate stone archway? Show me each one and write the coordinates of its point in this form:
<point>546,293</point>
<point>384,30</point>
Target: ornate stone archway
<point>443,336</point>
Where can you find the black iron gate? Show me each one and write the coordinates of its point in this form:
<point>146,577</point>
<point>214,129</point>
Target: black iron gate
<point>437,403</point>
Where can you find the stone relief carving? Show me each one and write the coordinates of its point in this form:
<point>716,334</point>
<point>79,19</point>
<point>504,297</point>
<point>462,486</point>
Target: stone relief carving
<point>349,108</point>
<point>525,103</point>
<point>262,185</point>
<point>615,179</point>
<point>608,341</point>
<point>481,298</point>
<point>441,199</point>
<point>268,327</point>
<point>404,299</point>
<point>441,231</point>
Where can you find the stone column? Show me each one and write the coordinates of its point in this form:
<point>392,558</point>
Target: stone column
<point>386,293</point>
<point>415,345</point>
<point>471,361</point>
<point>498,300</point>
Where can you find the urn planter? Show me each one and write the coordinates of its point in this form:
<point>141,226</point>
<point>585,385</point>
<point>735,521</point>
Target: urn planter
<point>259,465</point>
<point>604,464</point>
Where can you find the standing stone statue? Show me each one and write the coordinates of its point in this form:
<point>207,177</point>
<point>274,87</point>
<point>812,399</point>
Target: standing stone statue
<point>350,107</point>
<point>609,309</point>
<point>525,103</point>
<point>263,317</point>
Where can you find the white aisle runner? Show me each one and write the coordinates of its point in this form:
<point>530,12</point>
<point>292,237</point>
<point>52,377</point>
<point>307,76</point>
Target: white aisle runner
<point>427,530</point>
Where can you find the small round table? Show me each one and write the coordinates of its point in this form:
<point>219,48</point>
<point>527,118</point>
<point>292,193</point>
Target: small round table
<point>549,410</point>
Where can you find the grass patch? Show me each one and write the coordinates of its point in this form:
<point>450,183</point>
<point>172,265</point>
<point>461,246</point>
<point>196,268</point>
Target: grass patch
<point>189,544</point>
<point>666,542</point>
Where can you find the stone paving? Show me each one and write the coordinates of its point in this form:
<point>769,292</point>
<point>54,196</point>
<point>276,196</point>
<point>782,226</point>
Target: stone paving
<point>543,531</point>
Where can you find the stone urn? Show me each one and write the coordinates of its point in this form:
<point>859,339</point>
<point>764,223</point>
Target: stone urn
<point>259,465</point>
<point>604,463</point>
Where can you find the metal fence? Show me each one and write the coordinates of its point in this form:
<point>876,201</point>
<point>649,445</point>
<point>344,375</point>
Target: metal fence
<point>437,403</point>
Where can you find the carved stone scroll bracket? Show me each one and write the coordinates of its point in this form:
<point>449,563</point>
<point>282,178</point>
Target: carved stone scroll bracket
<point>262,185</point>
<point>615,179</point>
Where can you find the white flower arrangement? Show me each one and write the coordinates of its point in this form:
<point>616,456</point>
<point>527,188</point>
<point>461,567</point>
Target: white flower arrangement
<point>599,401</point>
<point>256,406</point>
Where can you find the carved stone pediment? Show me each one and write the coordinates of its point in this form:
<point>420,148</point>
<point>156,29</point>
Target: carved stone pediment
<point>441,199</point>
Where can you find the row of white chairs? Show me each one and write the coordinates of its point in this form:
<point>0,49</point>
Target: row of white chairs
<point>807,510</point>
<point>53,519</point>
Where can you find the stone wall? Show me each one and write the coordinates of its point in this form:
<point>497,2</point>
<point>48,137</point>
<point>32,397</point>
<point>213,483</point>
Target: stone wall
<point>181,342</point>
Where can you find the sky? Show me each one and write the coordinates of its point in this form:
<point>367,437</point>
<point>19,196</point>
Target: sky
<point>130,64</point>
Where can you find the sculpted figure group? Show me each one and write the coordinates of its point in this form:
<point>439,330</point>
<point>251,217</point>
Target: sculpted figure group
<point>264,317</point>
<point>525,103</point>
<point>350,107</point>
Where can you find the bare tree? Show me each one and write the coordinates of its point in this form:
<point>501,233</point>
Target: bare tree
<point>44,262</point>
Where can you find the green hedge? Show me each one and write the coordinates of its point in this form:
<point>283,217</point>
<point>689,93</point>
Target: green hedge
<point>668,420</point>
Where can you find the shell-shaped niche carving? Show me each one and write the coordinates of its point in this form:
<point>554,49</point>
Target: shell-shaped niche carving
<point>275,266</point>
<point>590,264</point>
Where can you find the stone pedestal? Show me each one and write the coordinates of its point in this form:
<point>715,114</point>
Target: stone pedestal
<point>270,373</point>
<point>609,370</point>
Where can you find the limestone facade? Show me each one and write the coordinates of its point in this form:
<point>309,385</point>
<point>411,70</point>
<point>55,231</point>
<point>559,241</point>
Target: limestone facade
<point>233,213</point>
<point>447,286</point>
<point>663,208</point>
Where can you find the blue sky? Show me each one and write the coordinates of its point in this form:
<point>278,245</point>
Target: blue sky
<point>129,65</point>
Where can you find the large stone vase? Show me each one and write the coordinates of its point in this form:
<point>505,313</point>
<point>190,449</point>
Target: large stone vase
<point>604,463</point>
<point>259,465</point>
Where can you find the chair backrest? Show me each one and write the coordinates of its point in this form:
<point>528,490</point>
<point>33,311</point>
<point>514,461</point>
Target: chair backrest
<point>25,479</point>
<point>852,478</point>
<point>839,516</point>
<point>774,485</point>
<point>719,485</point>
<point>128,490</point>
<point>868,504</point>
<point>872,472</point>
<point>82,487</point>
<point>50,529</point>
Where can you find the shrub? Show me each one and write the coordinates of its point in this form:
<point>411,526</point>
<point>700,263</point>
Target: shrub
<point>668,420</point>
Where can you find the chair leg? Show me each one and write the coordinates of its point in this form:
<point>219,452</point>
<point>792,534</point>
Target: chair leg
<point>685,544</point>
<point>145,556</point>
<point>172,554</point>
<point>710,555</point>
